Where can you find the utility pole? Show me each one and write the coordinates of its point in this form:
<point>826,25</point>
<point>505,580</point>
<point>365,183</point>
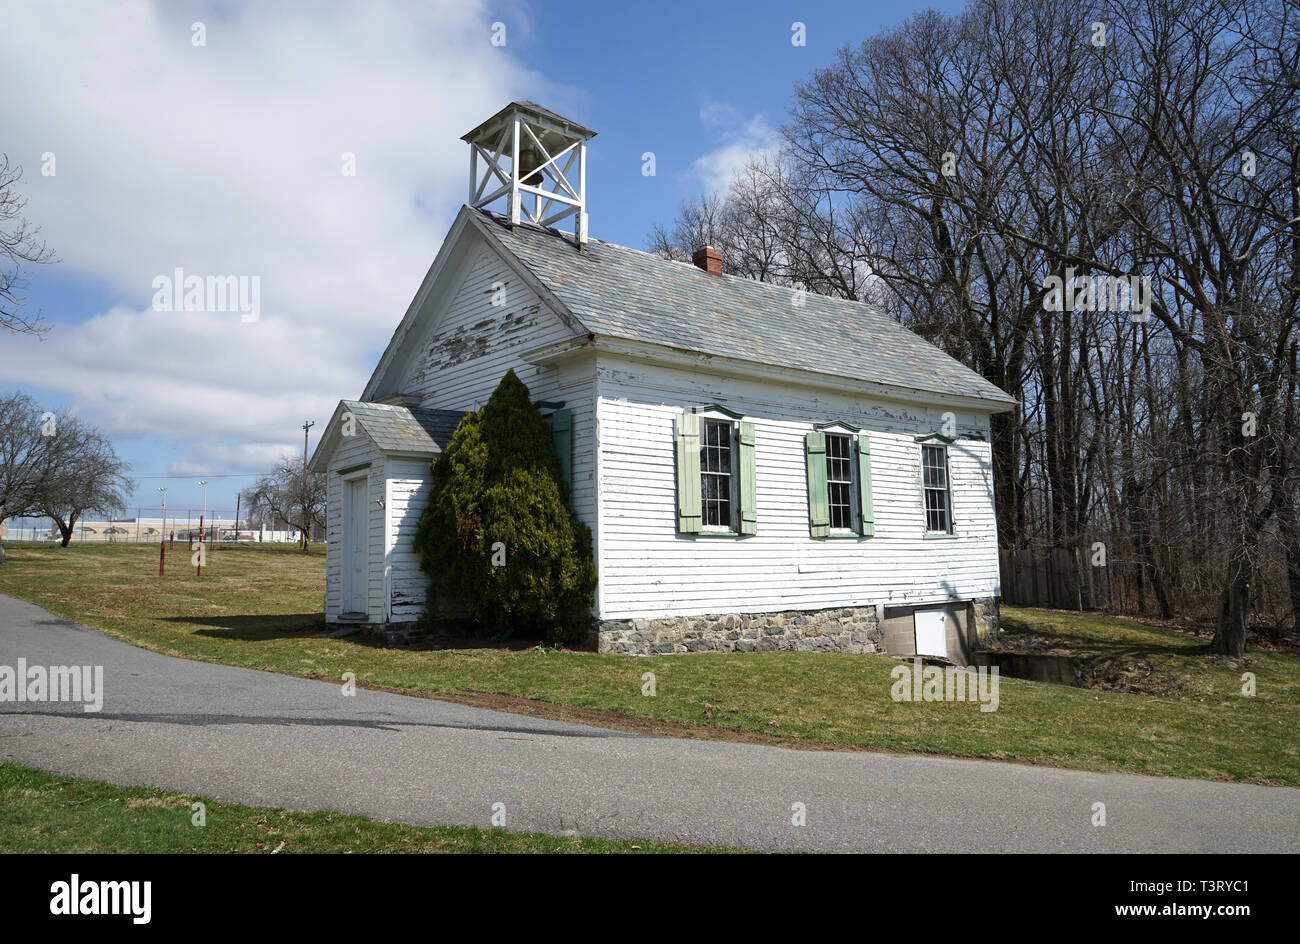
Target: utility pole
<point>308,424</point>
<point>204,483</point>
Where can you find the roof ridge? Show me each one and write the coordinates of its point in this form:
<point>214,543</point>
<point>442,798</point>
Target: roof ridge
<point>622,292</point>
<point>658,259</point>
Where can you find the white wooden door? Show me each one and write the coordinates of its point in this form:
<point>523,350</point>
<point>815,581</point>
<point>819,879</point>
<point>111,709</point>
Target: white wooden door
<point>931,632</point>
<point>356,537</point>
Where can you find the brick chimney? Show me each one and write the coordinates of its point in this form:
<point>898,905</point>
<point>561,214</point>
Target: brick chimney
<point>708,259</point>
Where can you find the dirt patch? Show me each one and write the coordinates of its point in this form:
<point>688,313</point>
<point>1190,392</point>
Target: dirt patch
<point>1122,673</point>
<point>1130,676</point>
<point>1017,640</point>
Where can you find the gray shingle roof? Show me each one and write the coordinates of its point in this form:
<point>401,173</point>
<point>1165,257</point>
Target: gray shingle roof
<point>525,106</point>
<point>403,429</point>
<point>626,293</point>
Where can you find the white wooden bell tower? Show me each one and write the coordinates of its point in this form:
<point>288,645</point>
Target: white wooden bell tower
<point>536,160</point>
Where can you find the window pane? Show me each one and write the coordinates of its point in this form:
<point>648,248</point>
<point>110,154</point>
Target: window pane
<point>934,474</point>
<point>715,473</point>
<point>839,480</point>
<point>840,505</point>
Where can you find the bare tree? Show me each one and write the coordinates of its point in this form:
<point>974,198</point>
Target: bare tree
<point>85,474</point>
<point>700,222</point>
<point>19,246</point>
<point>945,169</point>
<point>290,494</point>
<point>25,453</point>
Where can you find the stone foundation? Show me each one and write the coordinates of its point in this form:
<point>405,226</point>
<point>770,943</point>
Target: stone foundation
<point>854,630</point>
<point>988,621</point>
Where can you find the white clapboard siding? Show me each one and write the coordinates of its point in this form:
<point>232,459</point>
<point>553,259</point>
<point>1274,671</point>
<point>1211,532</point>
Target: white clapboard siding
<point>353,451</point>
<point>469,344</point>
<point>462,347</point>
<point>408,495</point>
<point>647,569</point>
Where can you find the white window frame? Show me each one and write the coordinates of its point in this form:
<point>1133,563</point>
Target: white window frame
<point>942,448</point>
<point>733,487</point>
<point>854,491</point>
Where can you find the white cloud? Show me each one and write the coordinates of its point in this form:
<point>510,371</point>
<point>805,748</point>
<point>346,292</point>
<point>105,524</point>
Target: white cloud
<point>740,139</point>
<point>226,160</point>
<point>259,456</point>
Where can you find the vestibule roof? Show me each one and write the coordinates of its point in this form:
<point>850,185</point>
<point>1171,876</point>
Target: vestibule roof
<point>398,430</point>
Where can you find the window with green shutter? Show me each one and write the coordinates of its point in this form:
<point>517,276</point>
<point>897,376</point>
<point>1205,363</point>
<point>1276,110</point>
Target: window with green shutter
<point>866,509</point>
<point>819,515</point>
<point>688,473</point>
<point>562,440</point>
<point>838,460</point>
<point>748,481</point>
<point>559,424</point>
<point>716,476</point>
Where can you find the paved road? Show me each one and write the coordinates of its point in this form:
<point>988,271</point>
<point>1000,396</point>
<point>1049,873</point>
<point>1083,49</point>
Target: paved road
<point>272,740</point>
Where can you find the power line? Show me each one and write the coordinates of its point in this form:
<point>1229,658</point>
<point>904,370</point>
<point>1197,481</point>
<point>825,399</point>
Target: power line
<point>205,475</point>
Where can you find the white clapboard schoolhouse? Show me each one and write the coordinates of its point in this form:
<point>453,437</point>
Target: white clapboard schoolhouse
<point>760,468</point>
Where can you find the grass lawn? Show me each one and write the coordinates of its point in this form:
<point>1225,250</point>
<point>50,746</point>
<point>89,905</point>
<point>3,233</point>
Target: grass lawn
<point>1180,711</point>
<point>41,812</point>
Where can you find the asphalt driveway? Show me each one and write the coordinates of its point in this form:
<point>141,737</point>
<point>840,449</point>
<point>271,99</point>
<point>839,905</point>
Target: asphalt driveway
<point>272,740</point>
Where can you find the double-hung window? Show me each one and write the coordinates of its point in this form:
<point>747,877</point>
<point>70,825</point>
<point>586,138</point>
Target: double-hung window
<point>718,474</point>
<point>938,494</point>
<point>838,459</point>
<point>841,481</point>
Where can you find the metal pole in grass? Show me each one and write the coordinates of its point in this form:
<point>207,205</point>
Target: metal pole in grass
<point>204,483</point>
<point>163,490</point>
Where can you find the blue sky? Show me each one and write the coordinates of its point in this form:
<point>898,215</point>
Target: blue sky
<point>223,158</point>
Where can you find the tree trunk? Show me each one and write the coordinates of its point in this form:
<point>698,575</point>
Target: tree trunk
<point>1289,529</point>
<point>1006,478</point>
<point>1146,548</point>
<point>1234,606</point>
<point>1292,576</point>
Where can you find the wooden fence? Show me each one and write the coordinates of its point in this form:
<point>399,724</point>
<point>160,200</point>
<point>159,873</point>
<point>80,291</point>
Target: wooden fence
<point>1061,578</point>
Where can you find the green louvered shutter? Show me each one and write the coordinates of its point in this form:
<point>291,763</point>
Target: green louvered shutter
<point>562,441</point>
<point>688,473</point>
<point>748,505</point>
<point>866,511</point>
<point>819,511</point>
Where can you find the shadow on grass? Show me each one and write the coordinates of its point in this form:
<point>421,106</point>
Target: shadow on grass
<point>266,627</point>
<point>259,628</point>
<point>1119,662</point>
<point>1087,645</point>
